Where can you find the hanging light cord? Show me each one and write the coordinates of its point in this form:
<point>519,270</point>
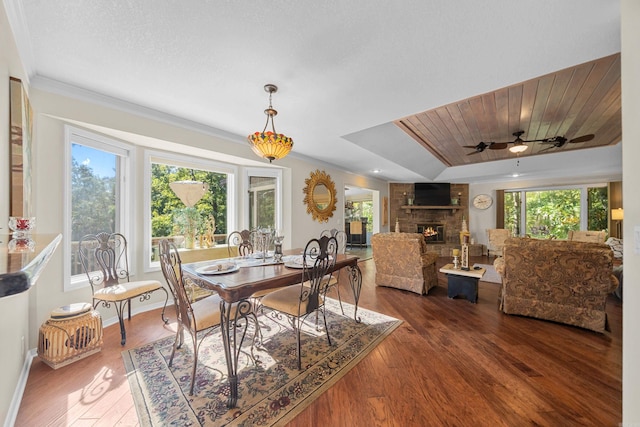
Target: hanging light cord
<point>270,112</point>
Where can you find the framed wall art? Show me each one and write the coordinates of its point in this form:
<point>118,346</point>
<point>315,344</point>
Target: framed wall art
<point>21,119</point>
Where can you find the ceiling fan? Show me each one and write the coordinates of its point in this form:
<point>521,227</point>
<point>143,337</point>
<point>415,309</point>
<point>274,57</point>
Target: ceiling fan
<point>519,145</point>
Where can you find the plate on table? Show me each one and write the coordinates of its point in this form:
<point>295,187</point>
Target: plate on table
<point>293,261</point>
<point>261,255</point>
<point>219,268</point>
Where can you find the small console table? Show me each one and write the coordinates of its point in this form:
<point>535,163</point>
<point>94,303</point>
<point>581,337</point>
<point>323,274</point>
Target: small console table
<point>462,282</point>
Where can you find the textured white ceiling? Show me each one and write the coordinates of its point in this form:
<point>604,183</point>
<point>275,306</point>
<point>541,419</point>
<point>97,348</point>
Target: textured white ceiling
<point>345,69</point>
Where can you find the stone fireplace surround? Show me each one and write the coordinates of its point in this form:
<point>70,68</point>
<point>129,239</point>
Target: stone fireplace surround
<point>450,217</point>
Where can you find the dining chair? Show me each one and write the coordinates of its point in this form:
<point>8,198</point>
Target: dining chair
<point>341,239</point>
<point>242,240</point>
<point>105,261</point>
<point>193,317</point>
<point>297,302</point>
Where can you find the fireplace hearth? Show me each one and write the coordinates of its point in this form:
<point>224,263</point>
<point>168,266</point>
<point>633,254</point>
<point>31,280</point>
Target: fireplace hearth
<point>432,232</point>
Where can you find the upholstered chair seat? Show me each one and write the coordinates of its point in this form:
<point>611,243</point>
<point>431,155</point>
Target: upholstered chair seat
<point>286,300</point>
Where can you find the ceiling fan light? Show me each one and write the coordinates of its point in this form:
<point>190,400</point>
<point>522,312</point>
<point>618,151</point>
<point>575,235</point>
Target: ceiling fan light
<point>518,148</point>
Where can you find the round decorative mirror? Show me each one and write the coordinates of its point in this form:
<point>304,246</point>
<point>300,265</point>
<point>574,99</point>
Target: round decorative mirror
<point>320,196</point>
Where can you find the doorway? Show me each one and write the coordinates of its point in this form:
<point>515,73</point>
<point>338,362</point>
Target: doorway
<point>363,205</point>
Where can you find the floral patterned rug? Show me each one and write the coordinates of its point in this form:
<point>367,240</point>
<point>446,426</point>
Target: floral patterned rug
<point>271,391</point>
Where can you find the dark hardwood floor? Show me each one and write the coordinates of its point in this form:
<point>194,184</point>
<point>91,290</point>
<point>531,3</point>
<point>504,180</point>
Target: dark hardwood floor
<point>451,363</point>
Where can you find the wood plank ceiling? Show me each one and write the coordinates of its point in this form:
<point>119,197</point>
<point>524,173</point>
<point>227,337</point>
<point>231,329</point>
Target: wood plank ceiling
<point>573,102</point>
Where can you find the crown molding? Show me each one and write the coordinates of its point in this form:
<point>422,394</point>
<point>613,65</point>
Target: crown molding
<point>74,92</point>
<point>18,24</point>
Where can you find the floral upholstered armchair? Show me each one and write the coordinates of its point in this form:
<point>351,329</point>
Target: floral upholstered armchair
<point>558,280</point>
<point>402,262</point>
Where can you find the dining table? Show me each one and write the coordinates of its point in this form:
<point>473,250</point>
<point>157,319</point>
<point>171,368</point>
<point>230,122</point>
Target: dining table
<point>244,276</point>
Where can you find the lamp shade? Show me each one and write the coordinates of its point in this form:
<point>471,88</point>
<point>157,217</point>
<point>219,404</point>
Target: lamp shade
<point>190,192</point>
<point>270,145</point>
<point>617,214</point>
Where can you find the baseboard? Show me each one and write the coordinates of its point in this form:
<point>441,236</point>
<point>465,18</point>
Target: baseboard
<point>12,413</point>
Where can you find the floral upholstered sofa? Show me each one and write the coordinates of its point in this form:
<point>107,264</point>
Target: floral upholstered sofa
<point>558,280</point>
<point>402,261</point>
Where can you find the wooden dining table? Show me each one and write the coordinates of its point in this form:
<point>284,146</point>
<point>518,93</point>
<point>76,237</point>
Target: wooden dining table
<point>236,287</point>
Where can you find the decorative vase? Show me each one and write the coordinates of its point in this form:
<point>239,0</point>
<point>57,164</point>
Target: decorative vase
<point>189,240</point>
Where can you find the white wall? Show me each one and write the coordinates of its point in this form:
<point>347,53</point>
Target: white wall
<point>14,314</point>
<point>631,179</point>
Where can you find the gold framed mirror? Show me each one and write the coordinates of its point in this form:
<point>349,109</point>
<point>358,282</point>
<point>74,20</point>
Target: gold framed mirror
<point>320,196</point>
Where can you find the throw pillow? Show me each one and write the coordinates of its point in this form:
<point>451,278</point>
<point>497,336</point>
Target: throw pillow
<point>616,246</point>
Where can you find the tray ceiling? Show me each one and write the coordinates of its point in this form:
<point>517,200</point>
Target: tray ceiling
<point>572,102</point>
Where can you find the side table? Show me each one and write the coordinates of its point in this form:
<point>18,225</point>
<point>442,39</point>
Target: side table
<point>462,282</point>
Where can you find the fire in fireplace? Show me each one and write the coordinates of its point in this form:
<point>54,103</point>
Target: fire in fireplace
<point>432,232</point>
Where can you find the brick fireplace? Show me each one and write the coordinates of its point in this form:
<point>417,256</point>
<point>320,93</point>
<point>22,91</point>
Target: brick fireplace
<point>446,220</point>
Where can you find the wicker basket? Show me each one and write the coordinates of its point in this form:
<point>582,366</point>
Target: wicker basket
<point>63,341</point>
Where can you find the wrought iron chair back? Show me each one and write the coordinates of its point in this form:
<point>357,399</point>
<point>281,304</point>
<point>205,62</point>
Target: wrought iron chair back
<point>199,316</point>
<point>319,257</point>
<point>341,239</point>
<point>171,265</point>
<point>242,240</point>
<point>104,259</point>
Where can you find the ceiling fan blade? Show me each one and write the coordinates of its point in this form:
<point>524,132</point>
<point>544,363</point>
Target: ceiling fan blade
<point>540,140</point>
<point>480,147</point>
<point>498,145</point>
<point>547,149</point>
<point>583,138</point>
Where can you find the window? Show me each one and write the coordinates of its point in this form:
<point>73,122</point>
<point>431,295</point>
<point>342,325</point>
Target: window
<point>552,213</point>
<point>264,195</point>
<point>205,223</point>
<point>96,197</point>
<point>361,209</point>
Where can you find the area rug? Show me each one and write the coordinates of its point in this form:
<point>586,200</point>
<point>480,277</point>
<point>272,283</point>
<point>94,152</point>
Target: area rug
<point>490,275</point>
<point>271,391</point>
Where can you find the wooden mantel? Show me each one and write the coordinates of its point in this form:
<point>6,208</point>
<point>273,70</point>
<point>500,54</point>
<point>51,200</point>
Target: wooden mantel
<point>453,208</point>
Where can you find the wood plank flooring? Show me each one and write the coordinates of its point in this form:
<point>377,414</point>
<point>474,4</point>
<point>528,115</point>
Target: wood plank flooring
<point>451,363</point>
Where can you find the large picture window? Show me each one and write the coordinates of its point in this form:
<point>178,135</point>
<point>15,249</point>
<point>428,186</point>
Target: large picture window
<point>553,212</point>
<point>97,196</point>
<point>191,223</point>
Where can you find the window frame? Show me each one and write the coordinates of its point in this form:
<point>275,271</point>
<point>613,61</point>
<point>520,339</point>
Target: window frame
<point>269,173</point>
<point>184,161</point>
<point>126,183</point>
